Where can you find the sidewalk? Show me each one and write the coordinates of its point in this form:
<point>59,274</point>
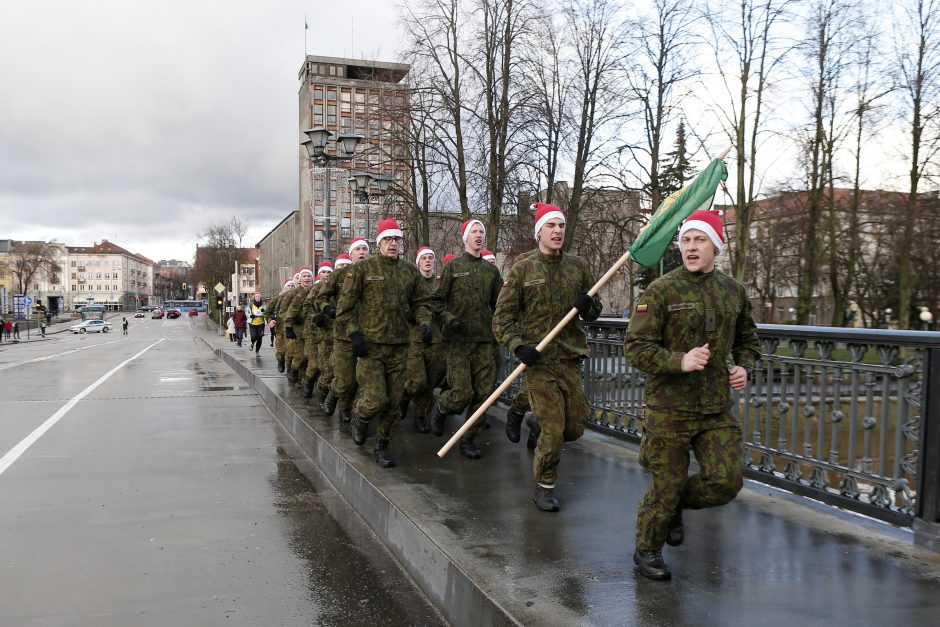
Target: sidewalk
<point>61,324</point>
<point>469,535</point>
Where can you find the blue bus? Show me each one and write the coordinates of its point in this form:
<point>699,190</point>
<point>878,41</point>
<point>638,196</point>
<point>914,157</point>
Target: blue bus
<point>185,305</point>
<point>93,312</point>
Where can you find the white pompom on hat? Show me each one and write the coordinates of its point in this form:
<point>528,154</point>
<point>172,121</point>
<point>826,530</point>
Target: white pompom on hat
<point>709,223</point>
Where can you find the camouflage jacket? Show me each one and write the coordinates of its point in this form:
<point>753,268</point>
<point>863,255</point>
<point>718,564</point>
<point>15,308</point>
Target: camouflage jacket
<point>328,294</point>
<point>678,312</point>
<point>270,312</point>
<point>468,291</point>
<point>287,310</point>
<point>430,284</point>
<point>376,298</point>
<point>539,291</point>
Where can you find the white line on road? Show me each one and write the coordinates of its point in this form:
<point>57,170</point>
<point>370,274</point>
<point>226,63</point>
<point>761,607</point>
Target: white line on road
<point>14,453</point>
<point>74,350</point>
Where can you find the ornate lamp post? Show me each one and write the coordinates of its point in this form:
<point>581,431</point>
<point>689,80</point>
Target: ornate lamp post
<point>360,182</point>
<point>316,149</point>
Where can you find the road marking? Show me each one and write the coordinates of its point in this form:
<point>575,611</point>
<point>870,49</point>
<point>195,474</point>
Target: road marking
<point>14,453</point>
<point>74,350</point>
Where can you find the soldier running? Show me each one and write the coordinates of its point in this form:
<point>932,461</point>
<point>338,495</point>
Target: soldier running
<point>295,358</point>
<point>374,308</point>
<point>426,365</point>
<point>278,329</point>
<point>693,333</point>
<point>467,296</point>
<point>539,291</point>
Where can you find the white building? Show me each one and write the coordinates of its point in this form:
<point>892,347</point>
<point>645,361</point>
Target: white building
<point>108,274</point>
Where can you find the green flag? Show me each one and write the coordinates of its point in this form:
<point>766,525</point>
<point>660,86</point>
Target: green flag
<point>654,238</point>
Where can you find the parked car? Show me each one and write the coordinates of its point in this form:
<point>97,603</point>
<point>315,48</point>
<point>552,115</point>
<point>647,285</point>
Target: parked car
<point>193,312</point>
<point>174,313</point>
<point>156,314</point>
<point>140,313</point>
<point>91,326</point>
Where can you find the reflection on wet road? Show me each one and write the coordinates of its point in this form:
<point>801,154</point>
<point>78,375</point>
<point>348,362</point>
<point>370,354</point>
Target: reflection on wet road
<point>165,496</point>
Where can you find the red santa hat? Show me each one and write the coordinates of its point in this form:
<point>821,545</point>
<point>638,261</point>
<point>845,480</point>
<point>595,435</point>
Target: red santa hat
<point>324,265</point>
<point>305,270</point>
<point>356,243</point>
<point>424,250</point>
<point>447,258</point>
<point>545,212</point>
<point>387,228</point>
<point>289,283</point>
<point>466,226</point>
<point>709,223</point>
<point>488,255</point>
<point>343,260</point>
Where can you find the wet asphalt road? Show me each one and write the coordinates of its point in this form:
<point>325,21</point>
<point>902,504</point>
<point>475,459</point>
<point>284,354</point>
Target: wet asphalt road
<point>166,494</point>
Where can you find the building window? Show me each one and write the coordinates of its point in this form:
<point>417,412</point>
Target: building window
<point>73,263</point>
<point>114,287</point>
<point>74,275</point>
<point>318,93</point>
<point>332,70</point>
<point>318,120</point>
<point>331,93</point>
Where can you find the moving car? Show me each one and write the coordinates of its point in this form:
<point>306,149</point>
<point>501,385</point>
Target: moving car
<point>91,326</point>
<point>140,313</point>
<point>173,313</point>
<point>156,314</point>
<point>193,312</point>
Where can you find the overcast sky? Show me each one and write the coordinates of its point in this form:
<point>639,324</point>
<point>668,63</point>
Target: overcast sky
<point>143,122</point>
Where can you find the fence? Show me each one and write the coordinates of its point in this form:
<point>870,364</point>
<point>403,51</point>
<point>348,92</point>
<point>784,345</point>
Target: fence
<point>850,417</point>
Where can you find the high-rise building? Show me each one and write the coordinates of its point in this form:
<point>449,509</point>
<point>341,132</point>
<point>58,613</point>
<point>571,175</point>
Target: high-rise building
<point>349,96</point>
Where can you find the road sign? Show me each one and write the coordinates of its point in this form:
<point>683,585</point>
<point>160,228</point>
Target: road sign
<point>219,288</point>
<point>229,310</point>
<point>23,301</point>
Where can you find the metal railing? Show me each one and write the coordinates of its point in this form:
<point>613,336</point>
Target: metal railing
<point>838,415</point>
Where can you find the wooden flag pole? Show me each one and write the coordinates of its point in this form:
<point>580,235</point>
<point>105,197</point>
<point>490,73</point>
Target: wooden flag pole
<point>541,347</point>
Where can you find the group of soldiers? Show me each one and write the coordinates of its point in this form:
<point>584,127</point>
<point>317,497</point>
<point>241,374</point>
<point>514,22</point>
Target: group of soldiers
<point>375,333</point>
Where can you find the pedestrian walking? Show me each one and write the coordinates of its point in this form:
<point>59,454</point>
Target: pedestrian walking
<point>42,327</point>
<point>255,312</point>
<point>240,320</point>
<point>693,334</point>
<point>467,296</point>
<point>230,328</point>
<point>124,324</point>
<point>378,298</point>
<point>539,291</point>
<point>16,329</point>
<point>8,328</point>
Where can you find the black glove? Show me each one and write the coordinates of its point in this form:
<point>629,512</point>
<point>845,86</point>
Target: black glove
<point>410,316</point>
<point>320,319</point>
<point>583,303</point>
<point>289,333</point>
<point>359,346</point>
<point>527,354</point>
<point>456,326</point>
<point>426,335</point>
<point>330,310</point>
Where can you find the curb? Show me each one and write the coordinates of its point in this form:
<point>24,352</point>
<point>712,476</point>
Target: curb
<point>446,584</point>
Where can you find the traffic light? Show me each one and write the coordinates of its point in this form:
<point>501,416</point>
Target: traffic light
<point>219,301</point>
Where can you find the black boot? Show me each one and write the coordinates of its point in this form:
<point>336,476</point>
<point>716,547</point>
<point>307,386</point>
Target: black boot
<point>651,564</point>
<point>382,457</point>
<point>676,530</point>
<point>280,366</point>
<point>545,499</point>
<point>437,422</point>
<point>513,425</point>
<point>328,406</point>
<point>421,423</point>
<point>469,449</point>
<point>292,375</point>
<point>403,407</point>
<point>358,430</point>
<point>345,416</point>
<point>307,390</point>
<point>534,430</point>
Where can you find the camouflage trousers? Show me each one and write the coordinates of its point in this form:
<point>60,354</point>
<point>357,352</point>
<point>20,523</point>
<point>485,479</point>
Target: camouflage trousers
<point>280,344</point>
<point>324,354</point>
<point>381,378</point>
<point>344,383</point>
<point>311,348</point>
<point>520,402</point>
<point>425,371</point>
<point>471,375</point>
<point>668,436</point>
<point>557,397</point>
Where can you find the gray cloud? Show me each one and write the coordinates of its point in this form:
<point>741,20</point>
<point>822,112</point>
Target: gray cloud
<point>142,123</point>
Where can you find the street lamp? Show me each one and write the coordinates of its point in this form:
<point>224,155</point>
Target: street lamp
<point>888,312</point>
<point>926,317</point>
<point>316,149</point>
<point>793,314</point>
<point>359,183</point>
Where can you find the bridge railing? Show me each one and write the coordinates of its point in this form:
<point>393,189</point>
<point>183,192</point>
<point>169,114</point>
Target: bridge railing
<point>850,417</point>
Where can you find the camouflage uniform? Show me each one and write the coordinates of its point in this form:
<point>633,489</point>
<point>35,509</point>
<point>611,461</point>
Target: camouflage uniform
<point>375,300</point>
<point>425,363</point>
<point>539,291</point>
<point>678,312</point>
<point>311,340</point>
<point>296,359</point>
<point>468,291</point>
<point>278,330</point>
<point>342,363</point>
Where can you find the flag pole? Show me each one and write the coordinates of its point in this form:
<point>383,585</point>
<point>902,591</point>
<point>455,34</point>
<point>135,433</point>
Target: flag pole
<point>541,347</point>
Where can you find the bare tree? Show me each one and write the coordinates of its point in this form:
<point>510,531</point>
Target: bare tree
<point>917,66</point>
<point>218,253</point>
<point>28,260</point>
